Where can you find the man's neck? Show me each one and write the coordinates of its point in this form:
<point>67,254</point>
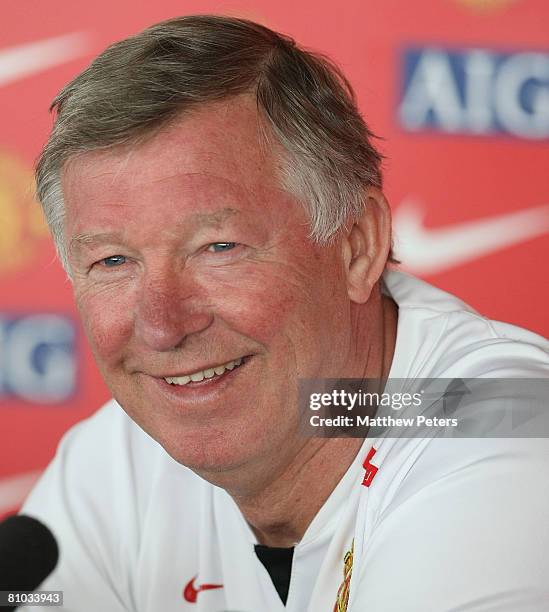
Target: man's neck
<point>280,515</point>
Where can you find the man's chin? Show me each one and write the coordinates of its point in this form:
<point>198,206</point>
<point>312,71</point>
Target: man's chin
<point>208,454</point>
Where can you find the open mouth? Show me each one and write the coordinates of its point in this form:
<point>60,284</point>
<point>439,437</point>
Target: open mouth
<point>208,376</point>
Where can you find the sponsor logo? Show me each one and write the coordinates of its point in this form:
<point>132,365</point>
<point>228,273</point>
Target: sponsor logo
<point>190,592</point>
<point>475,91</point>
<point>22,230</point>
<point>37,358</point>
<point>430,250</point>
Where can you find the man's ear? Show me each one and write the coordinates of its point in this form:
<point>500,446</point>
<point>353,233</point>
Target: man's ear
<point>367,245</point>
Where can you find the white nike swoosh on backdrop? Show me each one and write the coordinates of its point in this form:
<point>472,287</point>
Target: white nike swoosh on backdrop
<point>426,250</point>
<point>14,489</point>
<point>29,58</point>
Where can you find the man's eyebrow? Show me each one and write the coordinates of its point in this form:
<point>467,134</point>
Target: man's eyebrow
<point>199,219</point>
<point>216,218</point>
<point>85,239</point>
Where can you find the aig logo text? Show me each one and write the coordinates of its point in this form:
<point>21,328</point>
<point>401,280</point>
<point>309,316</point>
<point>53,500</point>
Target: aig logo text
<point>37,358</point>
<point>475,91</point>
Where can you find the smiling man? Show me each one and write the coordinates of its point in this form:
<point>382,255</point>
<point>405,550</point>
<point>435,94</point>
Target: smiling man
<point>188,257</point>
<point>216,200</point>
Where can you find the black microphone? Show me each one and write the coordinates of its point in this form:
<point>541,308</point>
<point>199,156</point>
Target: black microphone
<point>28,554</point>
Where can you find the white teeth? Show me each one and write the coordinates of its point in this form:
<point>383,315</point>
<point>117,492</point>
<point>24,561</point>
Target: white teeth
<point>178,380</point>
<point>199,376</point>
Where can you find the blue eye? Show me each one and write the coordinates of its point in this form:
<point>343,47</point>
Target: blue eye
<point>113,261</point>
<point>220,247</point>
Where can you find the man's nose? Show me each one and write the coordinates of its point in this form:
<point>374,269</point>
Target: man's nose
<point>169,309</point>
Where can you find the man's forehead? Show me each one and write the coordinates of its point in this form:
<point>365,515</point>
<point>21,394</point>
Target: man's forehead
<point>211,163</point>
<point>226,136</point>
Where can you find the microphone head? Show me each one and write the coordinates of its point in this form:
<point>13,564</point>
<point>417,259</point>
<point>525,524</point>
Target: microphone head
<point>28,553</point>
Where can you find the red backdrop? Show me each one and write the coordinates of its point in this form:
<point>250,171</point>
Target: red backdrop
<point>459,90</point>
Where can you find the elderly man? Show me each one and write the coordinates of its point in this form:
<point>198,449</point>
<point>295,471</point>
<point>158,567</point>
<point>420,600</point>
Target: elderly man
<point>215,198</point>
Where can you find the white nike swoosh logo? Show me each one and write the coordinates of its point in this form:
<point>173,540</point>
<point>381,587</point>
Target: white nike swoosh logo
<point>14,489</point>
<point>426,250</point>
<point>30,58</point>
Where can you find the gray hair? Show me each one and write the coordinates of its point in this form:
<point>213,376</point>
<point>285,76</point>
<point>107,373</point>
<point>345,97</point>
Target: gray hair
<point>138,85</point>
